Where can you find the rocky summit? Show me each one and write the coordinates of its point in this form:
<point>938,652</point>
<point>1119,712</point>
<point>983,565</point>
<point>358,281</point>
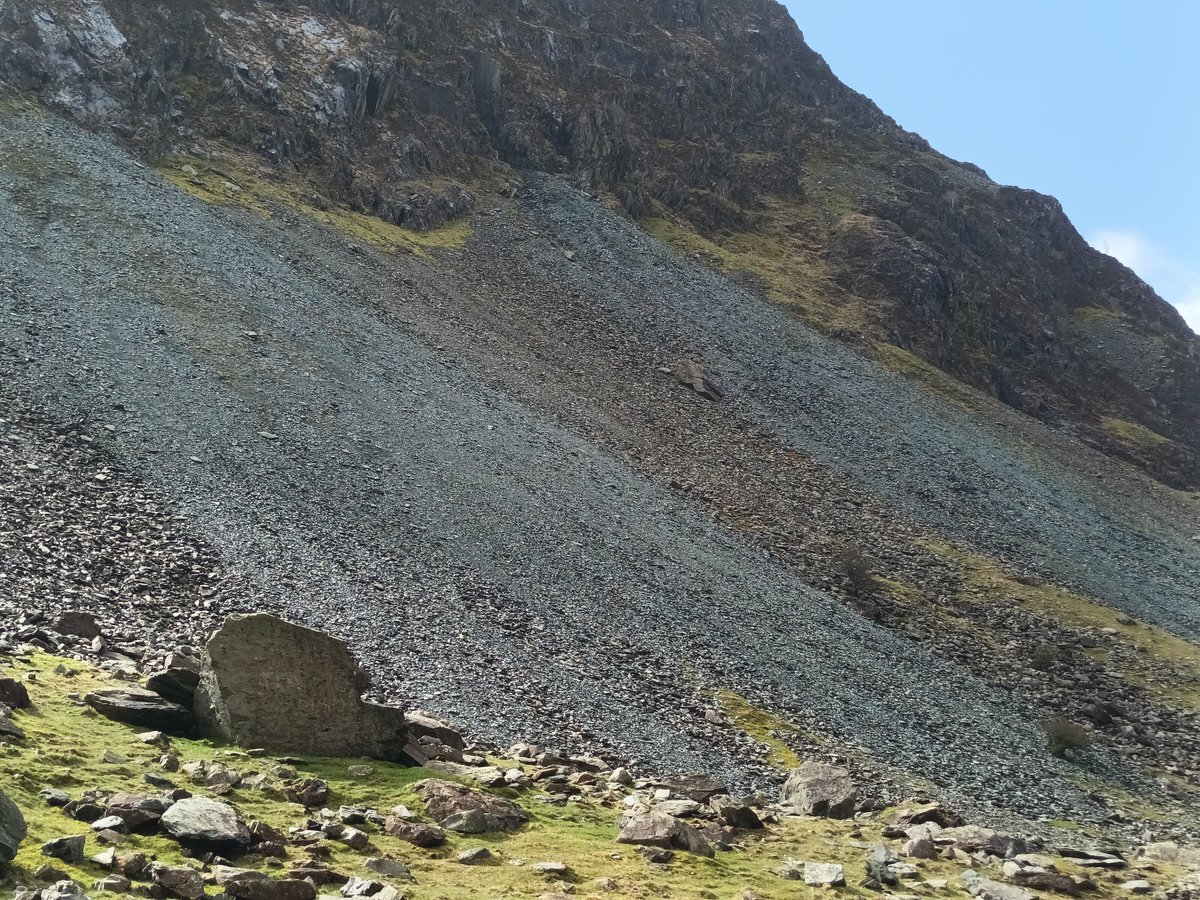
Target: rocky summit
<point>550,448</point>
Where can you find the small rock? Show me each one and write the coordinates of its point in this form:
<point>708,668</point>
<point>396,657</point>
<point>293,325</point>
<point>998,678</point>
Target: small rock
<point>474,855</point>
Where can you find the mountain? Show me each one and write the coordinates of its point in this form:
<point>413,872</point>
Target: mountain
<point>712,123</point>
<point>608,373</point>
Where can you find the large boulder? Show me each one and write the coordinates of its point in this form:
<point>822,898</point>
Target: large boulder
<point>12,828</point>
<point>816,789</point>
<point>206,824</point>
<point>144,709</point>
<point>270,683</point>
<point>445,800</point>
<point>656,829</point>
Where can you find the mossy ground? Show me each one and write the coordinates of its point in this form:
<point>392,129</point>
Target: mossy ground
<point>1165,666</point>
<point>1133,434</point>
<point>765,727</point>
<point>66,743</point>
<point>234,183</point>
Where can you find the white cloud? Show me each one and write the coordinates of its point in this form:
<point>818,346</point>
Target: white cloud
<point>1177,281</point>
<point>1128,247</point>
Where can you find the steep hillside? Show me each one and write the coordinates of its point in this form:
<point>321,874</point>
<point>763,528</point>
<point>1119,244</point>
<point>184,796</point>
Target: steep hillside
<point>711,123</point>
<point>479,457</point>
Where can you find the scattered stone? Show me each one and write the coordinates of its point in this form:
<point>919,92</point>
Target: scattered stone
<point>176,684</point>
<point>360,771</point>
<point>620,775</point>
<point>552,869</point>
<point>109,823</point>
<point>816,789</point>
<point>206,824</point>
<point>735,813</point>
<point>1137,886</point>
<point>680,809</point>
<point>698,788</point>
<point>62,890</point>
<point>68,849</point>
<point>248,694</point>
<point>986,889</point>
<point>309,792</point>
<point>913,813</point>
<point>54,797</point>
<point>471,821</point>
<point>251,888</point>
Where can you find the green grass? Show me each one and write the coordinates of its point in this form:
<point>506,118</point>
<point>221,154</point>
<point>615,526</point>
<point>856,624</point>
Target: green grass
<point>1133,434</point>
<point>232,184</point>
<point>764,727</point>
<point>1166,666</point>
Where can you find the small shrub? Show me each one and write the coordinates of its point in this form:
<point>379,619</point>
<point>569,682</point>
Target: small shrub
<point>1063,735</point>
<point>1044,657</point>
<point>860,580</point>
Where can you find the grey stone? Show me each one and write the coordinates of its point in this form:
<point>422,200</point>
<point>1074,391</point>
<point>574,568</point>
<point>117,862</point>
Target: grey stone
<point>12,828</point>
<point>1137,886</point>
<point>824,875</point>
<point>655,829</point>
<point>444,799</point>
<point>68,849</point>
<point>816,789</point>
<point>474,855</point>
<point>471,821</point>
<point>113,884</point>
<point>175,684</point>
<point>273,684</point>
<point>178,881</point>
<point>141,708</point>
<point>205,823</point>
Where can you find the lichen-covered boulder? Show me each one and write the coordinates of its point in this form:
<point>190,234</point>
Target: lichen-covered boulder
<point>270,683</point>
<point>656,829</point>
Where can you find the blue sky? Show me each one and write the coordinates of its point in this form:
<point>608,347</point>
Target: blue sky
<point>1097,103</point>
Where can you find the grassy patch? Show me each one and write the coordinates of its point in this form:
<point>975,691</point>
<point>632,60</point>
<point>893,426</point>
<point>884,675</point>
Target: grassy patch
<point>764,727</point>
<point>1133,434</point>
<point>1092,315</point>
<point>931,377</point>
<point>237,186</point>
<point>1166,666</point>
<point>788,265</point>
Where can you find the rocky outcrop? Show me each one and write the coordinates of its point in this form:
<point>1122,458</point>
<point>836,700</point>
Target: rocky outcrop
<point>270,683</point>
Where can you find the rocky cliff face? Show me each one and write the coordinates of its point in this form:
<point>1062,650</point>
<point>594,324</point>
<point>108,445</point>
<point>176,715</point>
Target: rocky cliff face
<point>712,118</point>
